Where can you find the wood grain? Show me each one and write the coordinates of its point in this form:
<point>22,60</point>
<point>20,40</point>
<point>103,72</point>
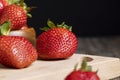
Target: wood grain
<point>101,46</point>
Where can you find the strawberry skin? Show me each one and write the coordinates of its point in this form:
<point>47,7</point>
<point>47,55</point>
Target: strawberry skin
<point>56,43</point>
<point>1,6</point>
<point>16,52</point>
<point>82,75</point>
<point>15,14</point>
<point>76,75</point>
<point>3,3</point>
<point>24,27</point>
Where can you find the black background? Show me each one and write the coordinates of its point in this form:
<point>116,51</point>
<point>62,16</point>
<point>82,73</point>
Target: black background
<point>88,17</point>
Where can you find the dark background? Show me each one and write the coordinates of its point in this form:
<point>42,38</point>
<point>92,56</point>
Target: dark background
<point>88,17</point>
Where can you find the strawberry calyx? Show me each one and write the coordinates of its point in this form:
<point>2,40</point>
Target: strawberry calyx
<point>52,25</point>
<point>27,9</point>
<point>10,2</point>
<point>84,66</point>
<point>5,28</point>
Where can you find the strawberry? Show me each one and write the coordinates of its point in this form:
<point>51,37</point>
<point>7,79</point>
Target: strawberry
<point>57,42</point>
<point>15,14</point>
<point>24,27</point>
<point>1,6</point>
<point>15,51</point>
<point>4,3</point>
<point>84,73</point>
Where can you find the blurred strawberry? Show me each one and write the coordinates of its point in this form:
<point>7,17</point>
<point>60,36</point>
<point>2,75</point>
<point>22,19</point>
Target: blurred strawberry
<point>84,73</point>
<point>58,42</point>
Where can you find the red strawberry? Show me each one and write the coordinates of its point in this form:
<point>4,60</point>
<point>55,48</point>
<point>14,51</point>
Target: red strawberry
<point>15,51</point>
<point>15,14</point>
<point>24,27</point>
<point>4,3</point>
<point>84,73</point>
<point>57,42</point>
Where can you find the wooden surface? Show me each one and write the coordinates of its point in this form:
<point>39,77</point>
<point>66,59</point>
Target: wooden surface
<point>57,70</point>
<point>108,46</point>
<point>102,46</point>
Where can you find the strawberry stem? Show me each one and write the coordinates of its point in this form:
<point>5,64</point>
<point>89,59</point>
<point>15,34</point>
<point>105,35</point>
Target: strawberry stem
<point>84,66</point>
<point>51,24</point>
<point>5,28</point>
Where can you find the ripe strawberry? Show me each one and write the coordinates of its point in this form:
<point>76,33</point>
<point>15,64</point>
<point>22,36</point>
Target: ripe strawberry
<point>24,27</point>
<point>15,51</point>
<point>57,42</point>
<point>84,73</point>
<point>15,14</point>
<point>4,3</point>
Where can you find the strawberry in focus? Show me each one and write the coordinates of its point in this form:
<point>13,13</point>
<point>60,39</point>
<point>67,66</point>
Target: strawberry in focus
<point>15,51</point>
<point>84,73</point>
<point>58,42</point>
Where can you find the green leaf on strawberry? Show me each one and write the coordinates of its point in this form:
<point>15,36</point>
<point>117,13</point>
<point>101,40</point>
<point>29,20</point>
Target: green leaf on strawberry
<point>12,1</point>
<point>5,28</point>
<point>52,25</point>
<point>84,66</point>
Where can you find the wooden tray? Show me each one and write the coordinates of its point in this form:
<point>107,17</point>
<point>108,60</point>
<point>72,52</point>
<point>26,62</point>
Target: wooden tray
<point>107,67</point>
